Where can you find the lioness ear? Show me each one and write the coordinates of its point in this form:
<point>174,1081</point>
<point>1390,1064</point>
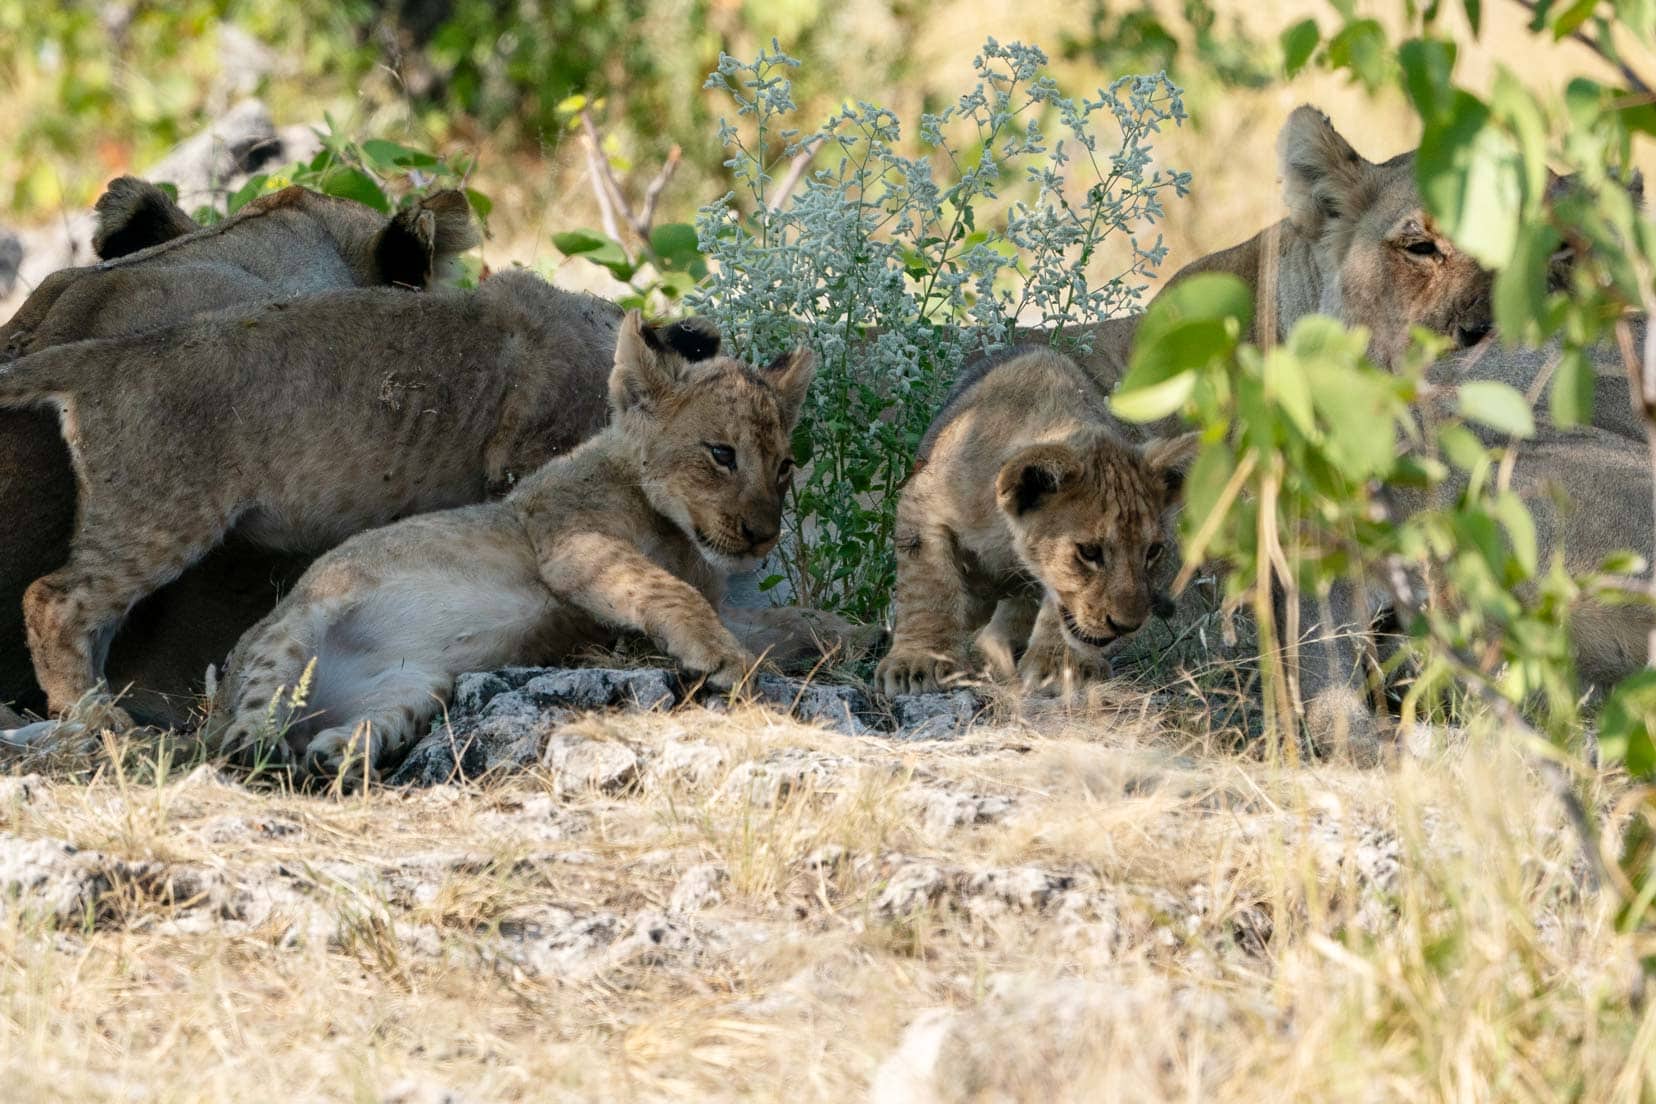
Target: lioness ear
<point>1169,458</point>
<point>790,377</point>
<point>454,231</point>
<point>1323,178</point>
<point>1033,476</point>
<point>134,214</point>
<point>645,369</point>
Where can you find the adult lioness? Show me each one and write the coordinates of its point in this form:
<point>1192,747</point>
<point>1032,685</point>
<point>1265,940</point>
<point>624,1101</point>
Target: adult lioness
<point>1027,497</point>
<point>634,530</point>
<point>296,424</point>
<point>285,244</point>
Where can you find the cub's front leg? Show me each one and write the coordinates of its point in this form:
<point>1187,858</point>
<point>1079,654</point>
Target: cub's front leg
<point>936,614</point>
<point>613,581</point>
<point>1050,663</point>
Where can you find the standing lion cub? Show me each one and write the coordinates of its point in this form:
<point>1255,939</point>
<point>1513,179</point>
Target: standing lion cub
<point>634,530</point>
<point>1025,498</point>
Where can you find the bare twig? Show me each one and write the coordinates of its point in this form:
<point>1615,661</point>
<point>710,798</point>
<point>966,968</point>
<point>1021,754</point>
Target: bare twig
<point>796,170</point>
<point>598,170</point>
<point>611,199</point>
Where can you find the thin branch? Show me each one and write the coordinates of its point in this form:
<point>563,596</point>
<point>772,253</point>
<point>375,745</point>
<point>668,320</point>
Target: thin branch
<point>652,194</point>
<point>598,169</point>
<point>1634,82</point>
<point>796,170</point>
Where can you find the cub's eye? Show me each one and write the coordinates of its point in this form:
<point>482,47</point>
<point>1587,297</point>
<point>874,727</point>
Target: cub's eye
<point>1154,553</point>
<point>723,455</point>
<point>1091,554</point>
<point>784,471</point>
<point>1423,248</point>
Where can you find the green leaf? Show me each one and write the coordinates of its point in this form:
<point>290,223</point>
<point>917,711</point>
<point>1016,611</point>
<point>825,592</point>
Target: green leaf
<point>386,154</point>
<point>1520,293</point>
<point>480,203</point>
<point>1298,42</point>
<point>595,247</point>
<point>1428,64</point>
<point>1571,402</point>
<point>1360,47</point>
<point>1626,723</point>
<point>1472,179</point>
<point>252,189</point>
<point>1515,518</point>
<point>1474,16</point>
<point>1191,324</point>
<point>1462,448</point>
<point>348,183</point>
<point>1497,405</point>
<point>675,244</point>
<point>1570,20</point>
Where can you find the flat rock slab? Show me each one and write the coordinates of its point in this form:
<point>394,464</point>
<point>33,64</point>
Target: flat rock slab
<point>511,718</point>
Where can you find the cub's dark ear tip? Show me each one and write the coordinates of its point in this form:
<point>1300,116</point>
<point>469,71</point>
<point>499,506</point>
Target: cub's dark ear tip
<point>1174,480</point>
<point>693,339</point>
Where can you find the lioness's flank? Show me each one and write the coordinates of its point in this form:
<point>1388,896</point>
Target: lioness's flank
<point>293,242</point>
<point>634,530</point>
<point>297,424</point>
<point>1025,496</point>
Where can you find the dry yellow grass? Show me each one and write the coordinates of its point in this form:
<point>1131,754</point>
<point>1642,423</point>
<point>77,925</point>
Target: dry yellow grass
<point>1088,909</point>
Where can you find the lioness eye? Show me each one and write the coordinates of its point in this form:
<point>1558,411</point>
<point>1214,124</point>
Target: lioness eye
<point>1423,248</point>
<point>1153,553</point>
<point>1090,553</point>
<point>723,455</point>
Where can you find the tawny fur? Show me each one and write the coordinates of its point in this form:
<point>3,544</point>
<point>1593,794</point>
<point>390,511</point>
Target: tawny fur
<point>1026,467</point>
<point>295,425</point>
<point>633,531</point>
<point>290,243</point>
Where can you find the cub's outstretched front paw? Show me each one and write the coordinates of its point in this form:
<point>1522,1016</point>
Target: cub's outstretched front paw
<point>1055,668</point>
<point>910,670</point>
<point>723,663</point>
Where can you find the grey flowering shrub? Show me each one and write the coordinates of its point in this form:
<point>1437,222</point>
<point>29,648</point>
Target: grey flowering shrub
<point>896,266</point>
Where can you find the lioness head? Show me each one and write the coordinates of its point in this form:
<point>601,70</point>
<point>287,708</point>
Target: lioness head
<point>712,439</point>
<point>1091,519</point>
<point>1382,262</point>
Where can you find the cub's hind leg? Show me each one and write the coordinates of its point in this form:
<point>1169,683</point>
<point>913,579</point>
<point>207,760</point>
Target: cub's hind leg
<point>389,711</point>
<point>71,614</point>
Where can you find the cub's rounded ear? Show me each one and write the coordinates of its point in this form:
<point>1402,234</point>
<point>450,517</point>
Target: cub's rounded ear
<point>692,338</point>
<point>1323,178</point>
<point>1033,476</point>
<point>790,377</point>
<point>1169,458</point>
<point>645,371</point>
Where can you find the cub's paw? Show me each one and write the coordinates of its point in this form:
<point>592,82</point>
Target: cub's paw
<point>251,741</point>
<point>1055,669</point>
<point>722,663</point>
<point>339,752</point>
<point>915,671</point>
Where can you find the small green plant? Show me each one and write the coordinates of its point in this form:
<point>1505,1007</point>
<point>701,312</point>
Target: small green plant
<point>895,268</point>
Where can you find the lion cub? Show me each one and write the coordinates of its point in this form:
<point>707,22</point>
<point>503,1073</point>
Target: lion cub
<point>634,530</point>
<point>1024,495</point>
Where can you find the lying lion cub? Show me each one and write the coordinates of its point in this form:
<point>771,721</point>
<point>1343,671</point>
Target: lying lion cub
<point>636,529</point>
<point>295,425</point>
<point>1024,495</point>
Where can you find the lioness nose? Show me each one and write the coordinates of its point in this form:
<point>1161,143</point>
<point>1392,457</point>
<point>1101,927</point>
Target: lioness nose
<point>763,535</point>
<point>1470,335</point>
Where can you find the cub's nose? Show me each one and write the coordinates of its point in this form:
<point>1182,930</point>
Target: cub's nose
<point>1121,628</point>
<point>759,538</point>
<point>1470,335</point>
